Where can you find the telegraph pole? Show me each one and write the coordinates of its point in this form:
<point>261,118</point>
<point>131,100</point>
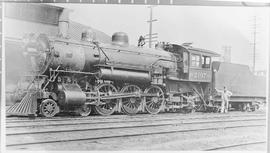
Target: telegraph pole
<point>151,20</point>
<point>254,43</point>
<point>227,53</point>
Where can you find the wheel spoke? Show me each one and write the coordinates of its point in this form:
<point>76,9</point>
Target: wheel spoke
<point>125,101</point>
<point>148,101</point>
<point>128,104</point>
<point>151,104</point>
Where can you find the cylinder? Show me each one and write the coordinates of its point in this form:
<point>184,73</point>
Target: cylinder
<point>71,95</point>
<point>124,75</point>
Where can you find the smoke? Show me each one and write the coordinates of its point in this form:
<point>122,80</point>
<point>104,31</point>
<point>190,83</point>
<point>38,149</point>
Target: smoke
<point>16,67</point>
<point>16,64</point>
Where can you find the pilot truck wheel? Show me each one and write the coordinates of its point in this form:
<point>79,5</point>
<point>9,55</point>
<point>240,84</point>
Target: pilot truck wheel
<point>48,108</point>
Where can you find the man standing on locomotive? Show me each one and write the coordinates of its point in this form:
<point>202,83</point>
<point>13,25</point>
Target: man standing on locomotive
<point>225,95</point>
<point>141,41</point>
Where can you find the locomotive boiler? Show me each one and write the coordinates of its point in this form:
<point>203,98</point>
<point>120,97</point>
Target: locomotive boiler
<point>85,56</point>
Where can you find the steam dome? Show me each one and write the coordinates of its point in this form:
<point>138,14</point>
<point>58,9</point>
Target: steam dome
<point>120,38</point>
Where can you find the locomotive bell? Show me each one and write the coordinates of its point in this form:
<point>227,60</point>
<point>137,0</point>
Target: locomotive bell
<point>120,38</point>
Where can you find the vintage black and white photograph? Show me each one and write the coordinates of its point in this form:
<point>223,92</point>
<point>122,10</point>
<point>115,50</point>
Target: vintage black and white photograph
<point>135,75</point>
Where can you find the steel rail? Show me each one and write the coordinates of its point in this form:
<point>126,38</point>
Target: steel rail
<point>132,126</point>
<point>142,116</point>
<point>133,135</point>
<point>87,123</point>
<point>133,117</point>
<point>235,145</point>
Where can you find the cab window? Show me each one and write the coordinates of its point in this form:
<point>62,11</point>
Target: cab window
<point>206,62</point>
<point>195,60</point>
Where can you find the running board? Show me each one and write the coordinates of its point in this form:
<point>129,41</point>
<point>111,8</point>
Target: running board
<point>26,107</point>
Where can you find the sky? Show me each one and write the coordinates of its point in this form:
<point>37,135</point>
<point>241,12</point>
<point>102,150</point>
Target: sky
<point>210,28</point>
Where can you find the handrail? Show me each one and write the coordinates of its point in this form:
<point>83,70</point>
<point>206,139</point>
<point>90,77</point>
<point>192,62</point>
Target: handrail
<point>78,72</point>
<point>99,48</point>
<point>52,78</point>
<point>161,59</point>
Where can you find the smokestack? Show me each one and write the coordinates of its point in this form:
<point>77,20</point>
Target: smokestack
<point>63,23</point>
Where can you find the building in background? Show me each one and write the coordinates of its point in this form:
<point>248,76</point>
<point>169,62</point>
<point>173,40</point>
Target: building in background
<point>21,19</point>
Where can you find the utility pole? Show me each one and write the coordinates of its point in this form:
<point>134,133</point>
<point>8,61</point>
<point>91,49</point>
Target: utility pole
<point>254,43</point>
<point>227,53</point>
<point>151,20</point>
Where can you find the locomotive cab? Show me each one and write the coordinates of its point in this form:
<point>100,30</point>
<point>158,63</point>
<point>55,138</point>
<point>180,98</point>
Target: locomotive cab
<point>193,64</point>
<point>200,64</point>
<point>182,60</point>
<point>191,79</point>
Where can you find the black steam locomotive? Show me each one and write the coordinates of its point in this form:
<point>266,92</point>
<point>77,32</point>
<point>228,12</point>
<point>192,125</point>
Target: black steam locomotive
<point>81,76</point>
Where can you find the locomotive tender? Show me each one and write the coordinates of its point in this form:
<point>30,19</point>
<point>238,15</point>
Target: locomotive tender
<point>81,76</point>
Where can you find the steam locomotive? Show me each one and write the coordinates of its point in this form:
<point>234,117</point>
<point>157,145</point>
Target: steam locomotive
<point>81,76</point>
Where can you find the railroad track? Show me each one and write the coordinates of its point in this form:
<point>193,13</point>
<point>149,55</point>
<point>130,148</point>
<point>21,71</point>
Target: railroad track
<point>63,131</point>
<point>140,130</point>
<point>119,120</point>
<point>133,135</point>
<point>111,122</point>
<point>176,123</point>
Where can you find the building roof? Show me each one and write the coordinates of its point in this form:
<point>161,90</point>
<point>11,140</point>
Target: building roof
<point>76,29</point>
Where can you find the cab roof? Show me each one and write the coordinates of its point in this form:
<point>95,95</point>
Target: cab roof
<point>198,50</point>
<point>203,52</point>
